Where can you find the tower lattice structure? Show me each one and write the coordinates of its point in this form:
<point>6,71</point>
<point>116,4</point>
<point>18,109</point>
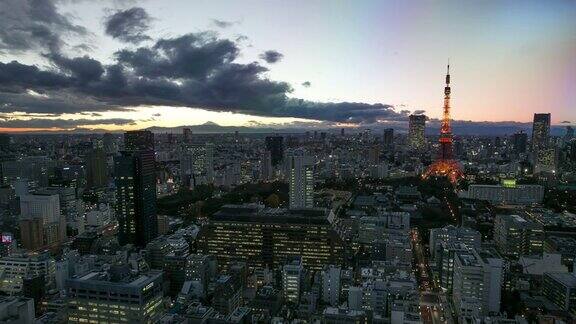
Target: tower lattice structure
<point>445,165</point>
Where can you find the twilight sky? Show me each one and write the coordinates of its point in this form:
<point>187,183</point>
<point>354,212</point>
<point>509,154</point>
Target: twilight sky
<point>134,64</point>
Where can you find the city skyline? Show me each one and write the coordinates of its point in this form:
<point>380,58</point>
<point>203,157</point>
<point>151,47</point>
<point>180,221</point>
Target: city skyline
<point>129,65</point>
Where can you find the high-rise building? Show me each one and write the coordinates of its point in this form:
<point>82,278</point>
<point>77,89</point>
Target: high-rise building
<point>275,144</point>
<point>266,170</point>
<point>540,131</point>
<point>373,155</point>
<point>545,160</point>
<point>300,179</point>
<point>388,136</point>
<point>139,140</point>
<point>560,289</point>
<point>451,234</point>
<point>331,285</point>
<point>476,284</point>
<point>109,143</point>
<point>4,141</point>
<point>198,269</point>
<point>197,164</point>
<point>136,197</point>
<point>187,135</point>
<point>32,233</point>
<point>519,142</point>
<point>16,268</point>
<point>47,209</point>
<point>517,236</point>
<point>115,297</point>
<point>569,133</point>
<point>96,173</point>
<point>269,237</point>
<point>416,127</point>
<point>292,276</point>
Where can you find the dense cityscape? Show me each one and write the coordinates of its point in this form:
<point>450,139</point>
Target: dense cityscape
<point>308,200</point>
<point>348,226</point>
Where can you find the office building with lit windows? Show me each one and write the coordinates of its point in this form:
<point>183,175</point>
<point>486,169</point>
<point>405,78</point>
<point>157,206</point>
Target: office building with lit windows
<point>139,140</point>
<point>300,179</point>
<point>104,297</point>
<point>540,131</point>
<point>416,127</point>
<point>476,284</point>
<point>516,236</point>
<point>507,193</point>
<point>560,289</point>
<point>136,197</point>
<point>292,276</point>
<point>270,237</point>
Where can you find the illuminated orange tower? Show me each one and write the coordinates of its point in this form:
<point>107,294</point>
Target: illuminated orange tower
<point>445,165</point>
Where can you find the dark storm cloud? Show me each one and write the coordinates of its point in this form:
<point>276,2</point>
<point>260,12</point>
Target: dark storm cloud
<point>222,23</point>
<point>194,70</point>
<point>419,112</point>
<point>33,24</point>
<point>306,84</point>
<point>188,56</point>
<point>62,123</point>
<point>129,25</point>
<point>271,56</point>
<point>84,69</point>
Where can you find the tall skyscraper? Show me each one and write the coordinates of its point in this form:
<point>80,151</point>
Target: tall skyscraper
<point>96,173</point>
<point>301,179</point>
<point>569,133</point>
<point>109,142</point>
<point>388,136</point>
<point>275,144</point>
<point>140,140</point>
<point>373,157</point>
<point>292,275</point>
<point>266,170</point>
<point>519,142</point>
<point>136,197</point>
<point>540,131</point>
<point>416,127</point>
<point>543,153</point>
<point>187,134</point>
<point>197,164</point>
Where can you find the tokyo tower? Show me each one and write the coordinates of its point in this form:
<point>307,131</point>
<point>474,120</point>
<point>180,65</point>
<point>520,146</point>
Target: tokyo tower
<point>445,165</point>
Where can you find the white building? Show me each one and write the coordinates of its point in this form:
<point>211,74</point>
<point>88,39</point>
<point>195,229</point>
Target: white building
<point>301,179</point>
<point>476,284</point>
<point>292,280</point>
<point>507,193</point>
